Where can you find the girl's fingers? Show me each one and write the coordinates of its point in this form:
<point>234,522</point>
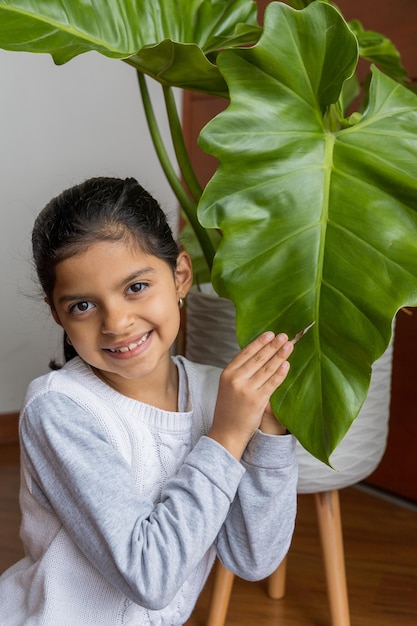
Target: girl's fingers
<point>263,362</point>
<point>276,366</point>
<point>266,361</point>
<point>258,351</point>
<point>269,380</point>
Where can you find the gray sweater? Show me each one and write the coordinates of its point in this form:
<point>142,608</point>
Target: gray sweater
<point>124,506</point>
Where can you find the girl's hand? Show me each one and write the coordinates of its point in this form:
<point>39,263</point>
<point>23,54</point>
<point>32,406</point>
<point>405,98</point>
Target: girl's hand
<point>270,425</point>
<point>245,388</point>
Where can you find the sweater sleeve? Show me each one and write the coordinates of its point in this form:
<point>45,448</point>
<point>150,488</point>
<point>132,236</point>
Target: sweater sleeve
<point>257,532</point>
<point>145,550</point>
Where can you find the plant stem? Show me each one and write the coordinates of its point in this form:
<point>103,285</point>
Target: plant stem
<point>186,169</point>
<point>189,206</point>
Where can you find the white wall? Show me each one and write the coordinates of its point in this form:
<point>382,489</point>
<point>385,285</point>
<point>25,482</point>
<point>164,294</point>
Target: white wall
<point>58,126</point>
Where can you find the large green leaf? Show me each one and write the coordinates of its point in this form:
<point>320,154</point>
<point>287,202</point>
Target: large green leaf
<point>156,36</point>
<point>374,47</point>
<point>319,224</point>
<point>378,49</point>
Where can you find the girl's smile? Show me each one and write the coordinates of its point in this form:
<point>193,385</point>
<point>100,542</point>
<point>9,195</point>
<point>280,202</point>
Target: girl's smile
<point>130,348</point>
<point>119,308</point>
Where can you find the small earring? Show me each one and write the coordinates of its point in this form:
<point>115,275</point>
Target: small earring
<point>181,302</point>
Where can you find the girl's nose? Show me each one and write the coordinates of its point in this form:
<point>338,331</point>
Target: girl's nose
<point>116,321</point>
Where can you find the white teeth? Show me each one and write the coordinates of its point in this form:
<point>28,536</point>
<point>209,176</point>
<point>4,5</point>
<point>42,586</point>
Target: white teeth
<point>131,346</point>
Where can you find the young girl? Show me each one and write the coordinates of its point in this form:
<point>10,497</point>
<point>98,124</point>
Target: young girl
<point>138,467</point>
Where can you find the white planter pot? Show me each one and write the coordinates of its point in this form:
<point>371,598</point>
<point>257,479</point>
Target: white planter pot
<point>211,339</point>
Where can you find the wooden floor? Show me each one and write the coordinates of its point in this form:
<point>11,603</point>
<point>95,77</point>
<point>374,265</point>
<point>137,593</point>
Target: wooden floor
<point>381,562</point>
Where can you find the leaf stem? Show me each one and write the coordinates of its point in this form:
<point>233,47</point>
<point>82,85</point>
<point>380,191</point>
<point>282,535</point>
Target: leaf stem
<point>189,206</point>
<point>188,174</point>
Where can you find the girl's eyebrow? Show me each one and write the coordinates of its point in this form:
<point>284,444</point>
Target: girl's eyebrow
<point>132,277</point>
<point>135,275</point>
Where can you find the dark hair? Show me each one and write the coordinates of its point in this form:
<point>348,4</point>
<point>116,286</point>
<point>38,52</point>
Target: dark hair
<point>99,209</point>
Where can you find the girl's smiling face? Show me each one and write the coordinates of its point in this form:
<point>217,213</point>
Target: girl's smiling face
<point>119,308</point>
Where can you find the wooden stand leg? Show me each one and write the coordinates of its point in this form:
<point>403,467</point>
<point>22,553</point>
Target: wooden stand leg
<point>220,596</point>
<point>276,581</point>
<point>330,526</point>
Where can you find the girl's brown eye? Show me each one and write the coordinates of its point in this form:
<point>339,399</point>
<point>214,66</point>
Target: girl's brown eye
<point>137,287</point>
<point>81,307</point>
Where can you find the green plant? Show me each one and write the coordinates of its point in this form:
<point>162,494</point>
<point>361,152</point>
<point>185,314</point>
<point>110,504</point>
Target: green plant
<point>317,209</point>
